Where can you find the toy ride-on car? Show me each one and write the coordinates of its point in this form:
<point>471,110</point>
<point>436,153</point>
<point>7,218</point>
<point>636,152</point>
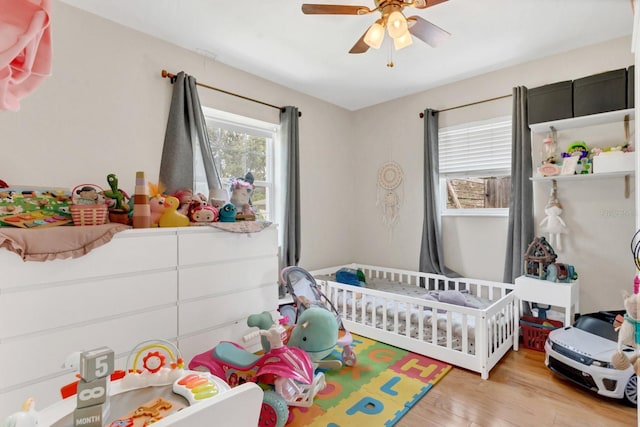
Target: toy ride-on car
<point>286,373</point>
<point>582,353</point>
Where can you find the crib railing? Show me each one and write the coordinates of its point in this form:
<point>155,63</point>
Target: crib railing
<point>481,288</point>
<point>468,337</point>
<point>426,321</point>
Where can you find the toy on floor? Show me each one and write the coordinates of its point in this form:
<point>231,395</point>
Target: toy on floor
<point>285,372</point>
<point>103,396</point>
<point>629,327</point>
<point>313,332</point>
<point>316,332</point>
<point>629,332</point>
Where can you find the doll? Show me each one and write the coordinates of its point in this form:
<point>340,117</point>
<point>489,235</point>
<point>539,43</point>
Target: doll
<point>553,224</point>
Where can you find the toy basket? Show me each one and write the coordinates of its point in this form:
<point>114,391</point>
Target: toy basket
<point>535,331</point>
<point>88,214</point>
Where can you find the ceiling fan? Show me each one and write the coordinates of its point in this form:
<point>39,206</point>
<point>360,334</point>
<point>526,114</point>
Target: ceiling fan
<point>399,27</point>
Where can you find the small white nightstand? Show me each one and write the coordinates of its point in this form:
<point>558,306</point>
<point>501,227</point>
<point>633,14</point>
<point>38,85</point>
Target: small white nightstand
<point>564,295</point>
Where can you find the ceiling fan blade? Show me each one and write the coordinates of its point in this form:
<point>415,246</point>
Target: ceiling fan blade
<point>360,46</point>
<point>423,4</point>
<point>334,9</point>
<point>429,33</point>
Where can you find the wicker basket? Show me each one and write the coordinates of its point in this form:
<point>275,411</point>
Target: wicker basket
<point>536,330</point>
<point>93,214</point>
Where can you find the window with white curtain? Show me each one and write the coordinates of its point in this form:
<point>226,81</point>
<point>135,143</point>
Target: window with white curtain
<point>475,167</point>
<point>240,145</point>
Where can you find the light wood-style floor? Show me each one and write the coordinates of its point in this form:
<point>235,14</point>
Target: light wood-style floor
<point>521,391</point>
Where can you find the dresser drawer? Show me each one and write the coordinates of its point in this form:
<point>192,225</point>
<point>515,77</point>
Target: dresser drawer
<point>216,246</point>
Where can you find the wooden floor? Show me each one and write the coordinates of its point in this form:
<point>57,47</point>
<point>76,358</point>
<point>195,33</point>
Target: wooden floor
<point>520,391</point>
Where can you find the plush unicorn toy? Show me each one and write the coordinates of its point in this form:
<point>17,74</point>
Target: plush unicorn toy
<point>28,417</point>
<point>241,192</point>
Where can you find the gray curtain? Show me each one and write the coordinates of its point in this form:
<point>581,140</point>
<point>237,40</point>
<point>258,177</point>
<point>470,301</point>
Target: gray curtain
<point>186,129</point>
<point>290,254</point>
<point>431,253</point>
<point>521,231</point>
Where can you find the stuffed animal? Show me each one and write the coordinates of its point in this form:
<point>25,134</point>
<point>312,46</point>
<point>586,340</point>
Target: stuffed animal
<point>158,205</point>
<point>316,332</point>
<point>452,296</point>
<point>201,215</point>
<point>553,224</point>
<point>629,334</point>
<point>189,201</point>
<point>228,213</point>
<point>241,192</point>
<point>87,195</point>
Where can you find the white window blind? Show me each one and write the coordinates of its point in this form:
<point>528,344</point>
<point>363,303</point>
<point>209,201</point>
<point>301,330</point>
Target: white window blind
<point>476,147</point>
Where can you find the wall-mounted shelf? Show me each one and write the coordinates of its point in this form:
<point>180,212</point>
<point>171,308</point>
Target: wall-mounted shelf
<point>591,176</point>
<point>583,121</point>
<point>579,177</point>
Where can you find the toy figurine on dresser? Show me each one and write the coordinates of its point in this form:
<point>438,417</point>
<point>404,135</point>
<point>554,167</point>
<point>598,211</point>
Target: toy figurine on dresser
<point>171,217</point>
<point>241,192</point>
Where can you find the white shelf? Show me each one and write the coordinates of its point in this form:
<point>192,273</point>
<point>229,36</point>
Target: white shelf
<point>581,177</point>
<point>585,177</point>
<point>583,121</point>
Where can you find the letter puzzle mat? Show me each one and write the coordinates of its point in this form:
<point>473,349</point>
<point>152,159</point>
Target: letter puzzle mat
<point>384,385</point>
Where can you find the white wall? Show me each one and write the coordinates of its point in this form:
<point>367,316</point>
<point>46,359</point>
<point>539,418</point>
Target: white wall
<point>104,110</point>
<point>598,215</point>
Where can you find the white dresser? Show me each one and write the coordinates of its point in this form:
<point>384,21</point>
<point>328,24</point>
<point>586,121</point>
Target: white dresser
<point>194,286</point>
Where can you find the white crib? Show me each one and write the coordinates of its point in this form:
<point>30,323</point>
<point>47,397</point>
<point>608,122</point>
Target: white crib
<point>470,338</point>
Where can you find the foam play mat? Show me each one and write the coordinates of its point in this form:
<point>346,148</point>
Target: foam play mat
<point>384,385</point>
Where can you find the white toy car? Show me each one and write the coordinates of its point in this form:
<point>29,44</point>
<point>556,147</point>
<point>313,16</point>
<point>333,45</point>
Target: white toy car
<point>582,354</point>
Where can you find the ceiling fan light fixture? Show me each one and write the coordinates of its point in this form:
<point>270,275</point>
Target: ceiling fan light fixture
<point>402,41</point>
<point>397,24</point>
<point>375,35</point>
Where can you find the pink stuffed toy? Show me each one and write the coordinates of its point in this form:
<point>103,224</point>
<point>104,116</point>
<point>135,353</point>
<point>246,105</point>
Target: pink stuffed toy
<point>202,215</point>
<point>158,205</point>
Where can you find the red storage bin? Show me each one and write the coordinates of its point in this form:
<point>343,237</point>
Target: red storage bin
<point>536,330</point>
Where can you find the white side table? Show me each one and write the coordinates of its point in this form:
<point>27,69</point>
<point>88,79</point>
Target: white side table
<point>564,295</point>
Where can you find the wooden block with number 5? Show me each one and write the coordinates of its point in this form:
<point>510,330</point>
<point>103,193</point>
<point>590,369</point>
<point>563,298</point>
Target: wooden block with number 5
<point>97,363</point>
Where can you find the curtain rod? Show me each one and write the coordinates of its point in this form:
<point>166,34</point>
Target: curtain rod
<point>469,104</point>
<point>172,77</point>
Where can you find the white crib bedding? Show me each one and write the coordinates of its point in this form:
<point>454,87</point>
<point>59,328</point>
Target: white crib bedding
<point>469,300</point>
<point>381,304</point>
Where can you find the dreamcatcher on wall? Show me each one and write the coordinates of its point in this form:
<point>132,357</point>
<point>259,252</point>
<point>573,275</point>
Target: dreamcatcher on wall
<point>390,194</point>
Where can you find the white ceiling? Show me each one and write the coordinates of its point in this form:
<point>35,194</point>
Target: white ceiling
<point>309,53</point>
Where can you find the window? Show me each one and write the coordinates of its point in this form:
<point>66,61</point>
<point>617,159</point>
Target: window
<point>475,167</point>
<point>240,145</point>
